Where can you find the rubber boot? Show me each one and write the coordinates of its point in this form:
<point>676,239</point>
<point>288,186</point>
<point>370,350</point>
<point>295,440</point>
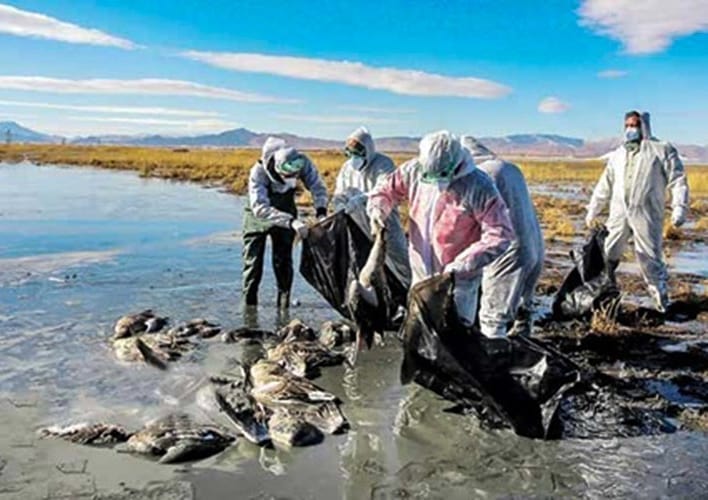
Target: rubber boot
<point>660,296</point>
<point>283,300</point>
<point>611,268</point>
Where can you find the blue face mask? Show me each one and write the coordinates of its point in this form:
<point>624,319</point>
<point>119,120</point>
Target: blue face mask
<point>632,134</point>
<point>357,162</point>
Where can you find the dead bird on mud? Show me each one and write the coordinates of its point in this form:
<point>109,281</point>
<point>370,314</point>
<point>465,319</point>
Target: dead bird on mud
<point>231,392</point>
<point>155,349</point>
<point>243,333</point>
<point>295,330</point>
<point>289,428</point>
<point>94,434</point>
<point>368,296</point>
<point>135,324</point>
<point>303,357</point>
<point>276,388</point>
<point>335,334</point>
<point>197,327</point>
<point>177,438</point>
<point>174,438</point>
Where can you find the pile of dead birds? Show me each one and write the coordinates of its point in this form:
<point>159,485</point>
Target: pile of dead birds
<point>267,396</point>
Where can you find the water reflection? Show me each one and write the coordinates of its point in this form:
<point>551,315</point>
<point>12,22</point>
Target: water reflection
<point>175,248</point>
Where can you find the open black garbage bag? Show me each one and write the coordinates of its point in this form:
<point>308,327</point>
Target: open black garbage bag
<point>588,285</point>
<point>515,381</point>
<point>332,256</point>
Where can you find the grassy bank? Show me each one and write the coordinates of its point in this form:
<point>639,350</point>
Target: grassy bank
<point>230,167</point>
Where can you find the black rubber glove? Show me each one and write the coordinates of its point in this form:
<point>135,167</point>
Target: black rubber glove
<point>321,212</point>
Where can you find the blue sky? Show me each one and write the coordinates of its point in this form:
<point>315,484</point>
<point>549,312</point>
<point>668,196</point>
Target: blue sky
<point>400,67</point>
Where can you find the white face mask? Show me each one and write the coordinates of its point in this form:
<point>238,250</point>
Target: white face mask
<point>357,162</point>
<point>290,182</point>
<point>632,134</point>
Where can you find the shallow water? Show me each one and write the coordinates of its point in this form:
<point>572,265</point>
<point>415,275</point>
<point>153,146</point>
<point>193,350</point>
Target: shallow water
<point>81,247</point>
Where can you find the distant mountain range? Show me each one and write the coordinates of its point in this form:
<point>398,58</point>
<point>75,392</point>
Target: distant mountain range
<point>531,145</point>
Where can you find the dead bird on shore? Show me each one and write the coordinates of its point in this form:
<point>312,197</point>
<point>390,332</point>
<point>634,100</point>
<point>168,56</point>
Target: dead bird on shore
<point>231,392</point>
<point>93,434</point>
<point>243,333</point>
<point>303,357</point>
<point>135,324</point>
<point>177,438</point>
<point>277,389</point>
<point>335,334</point>
<point>289,428</point>
<point>197,327</point>
<point>295,330</point>
<point>174,438</point>
<point>155,349</point>
<point>368,296</point>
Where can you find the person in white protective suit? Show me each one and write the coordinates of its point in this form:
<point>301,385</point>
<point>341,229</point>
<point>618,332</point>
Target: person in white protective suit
<point>364,168</point>
<point>634,183</point>
<point>271,212</point>
<point>458,221</point>
<point>508,283</point>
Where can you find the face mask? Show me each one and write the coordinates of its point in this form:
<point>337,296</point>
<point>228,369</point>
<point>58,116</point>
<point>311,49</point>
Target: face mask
<point>290,182</point>
<point>632,134</point>
<point>357,162</point>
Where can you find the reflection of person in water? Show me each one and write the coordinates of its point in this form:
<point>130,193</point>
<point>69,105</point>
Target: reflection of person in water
<point>458,222</point>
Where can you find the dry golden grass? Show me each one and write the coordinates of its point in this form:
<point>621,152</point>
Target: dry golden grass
<point>604,319</point>
<point>230,166</point>
<point>702,224</point>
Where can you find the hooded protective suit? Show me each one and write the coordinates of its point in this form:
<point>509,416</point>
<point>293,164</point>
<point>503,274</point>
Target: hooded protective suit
<point>270,211</point>
<point>634,184</point>
<point>508,283</point>
<point>458,226</point>
<point>350,194</point>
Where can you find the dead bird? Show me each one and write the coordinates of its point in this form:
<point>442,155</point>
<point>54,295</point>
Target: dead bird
<point>135,324</point>
<point>276,388</point>
<point>231,391</point>
<point>177,438</point>
<point>89,434</point>
<point>196,327</point>
<point>295,330</point>
<point>367,297</point>
<point>289,428</point>
<point>155,349</point>
<point>243,333</point>
<point>303,357</point>
<point>336,334</point>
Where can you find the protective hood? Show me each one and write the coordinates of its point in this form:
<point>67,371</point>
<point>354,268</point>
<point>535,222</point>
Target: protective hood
<point>362,136</point>
<point>645,120</point>
<point>439,152</point>
<point>270,146</point>
<point>477,150</point>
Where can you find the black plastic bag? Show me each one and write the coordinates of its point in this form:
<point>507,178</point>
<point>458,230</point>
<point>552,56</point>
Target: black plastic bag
<point>515,381</point>
<point>588,284</point>
<point>332,256</point>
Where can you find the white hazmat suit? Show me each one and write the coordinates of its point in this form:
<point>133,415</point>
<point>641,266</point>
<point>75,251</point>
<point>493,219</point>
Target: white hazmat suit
<point>351,193</point>
<point>635,184</point>
<point>509,282</point>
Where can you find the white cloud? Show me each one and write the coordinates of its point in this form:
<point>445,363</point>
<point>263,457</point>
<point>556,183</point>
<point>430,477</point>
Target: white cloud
<point>113,109</point>
<point>398,81</point>
<point>31,24</point>
<point>333,119</point>
<point>553,105</point>
<point>612,73</point>
<point>645,26</point>
<point>150,86</point>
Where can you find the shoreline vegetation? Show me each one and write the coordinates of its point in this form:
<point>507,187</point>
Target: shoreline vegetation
<point>230,167</point>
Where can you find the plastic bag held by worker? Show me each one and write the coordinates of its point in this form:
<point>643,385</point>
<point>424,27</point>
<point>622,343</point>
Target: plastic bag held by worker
<point>514,382</point>
<point>588,285</point>
<point>333,255</point>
